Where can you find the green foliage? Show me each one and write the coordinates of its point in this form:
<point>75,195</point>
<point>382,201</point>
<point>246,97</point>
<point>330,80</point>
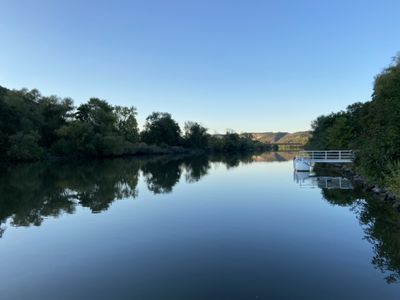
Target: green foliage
<point>331,132</point>
<point>195,136</point>
<point>54,113</point>
<point>127,125</point>
<point>392,177</point>
<point>99,114</point>
<point>24,146</point>
<point>216,143</point>
<point>371,128</point>
<point>28,123</point>
<point>76,138</point>
<point>98,130</point>
<point>161,129</point>
<point>232,142</point>
<point>33,127</point>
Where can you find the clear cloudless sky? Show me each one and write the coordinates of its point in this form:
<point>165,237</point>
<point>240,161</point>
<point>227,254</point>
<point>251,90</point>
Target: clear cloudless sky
<point>243,65</point>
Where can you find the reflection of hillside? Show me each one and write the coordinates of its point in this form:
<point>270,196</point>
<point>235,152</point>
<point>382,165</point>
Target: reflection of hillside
<point>300,137</point>
<point>274,156</point>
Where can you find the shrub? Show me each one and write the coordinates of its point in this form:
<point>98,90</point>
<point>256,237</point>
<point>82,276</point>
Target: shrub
<point>392,178</point>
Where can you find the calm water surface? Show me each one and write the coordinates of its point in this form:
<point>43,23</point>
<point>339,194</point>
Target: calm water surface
<point>192,228</point>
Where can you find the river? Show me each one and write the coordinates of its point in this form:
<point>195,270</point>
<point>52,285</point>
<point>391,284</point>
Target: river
<point>221,227</point>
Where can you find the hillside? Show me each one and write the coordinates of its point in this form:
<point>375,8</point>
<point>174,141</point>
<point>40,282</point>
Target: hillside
<point>300,137</point>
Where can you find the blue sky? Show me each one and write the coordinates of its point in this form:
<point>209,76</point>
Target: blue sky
<point>241,65</point>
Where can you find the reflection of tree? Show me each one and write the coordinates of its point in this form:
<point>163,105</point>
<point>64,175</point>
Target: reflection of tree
<point>339,197</point>
<point>31,192</point>
<point>381,224</point>
<point>196,168</point>
<point>232,160</point>
<point>99,183</point>
<point>382,229</point>
<point>162,175</point>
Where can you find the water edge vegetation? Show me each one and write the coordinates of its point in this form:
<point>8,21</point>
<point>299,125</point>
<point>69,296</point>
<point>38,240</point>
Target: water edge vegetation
<point>372,129</point>
<point>35,127</point>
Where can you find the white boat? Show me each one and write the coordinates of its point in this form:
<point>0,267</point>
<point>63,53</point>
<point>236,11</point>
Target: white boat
<point>301,164</point>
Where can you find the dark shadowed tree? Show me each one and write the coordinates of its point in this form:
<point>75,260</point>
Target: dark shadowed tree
<point>54,112</point>
<point>99,114</point>
<point>195,136</point>
<point>92,133</point>
<point>126,123</point>
<point>161,129</point>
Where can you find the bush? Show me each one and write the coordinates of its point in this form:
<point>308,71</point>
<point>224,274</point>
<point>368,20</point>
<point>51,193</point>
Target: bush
<point>392,178</point>
<point>24,146</point>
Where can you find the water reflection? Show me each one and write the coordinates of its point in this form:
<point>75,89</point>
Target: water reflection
<point>275,156</point>
<point>310,180</point>
<point>162,175</point>
<point>30,193</point>
<point>380,223</point>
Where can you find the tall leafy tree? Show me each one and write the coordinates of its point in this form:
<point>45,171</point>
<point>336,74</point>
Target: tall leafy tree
<point>99,114</point>
<point>161,129</point>
<point>126,123</point>
<point>195,135</point>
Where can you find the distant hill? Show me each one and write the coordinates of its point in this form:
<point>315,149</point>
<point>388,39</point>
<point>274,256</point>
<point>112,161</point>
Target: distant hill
<point>300,137</point>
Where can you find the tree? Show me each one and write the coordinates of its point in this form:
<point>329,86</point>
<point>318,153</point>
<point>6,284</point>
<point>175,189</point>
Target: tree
<point>232,142</point>
<point>24,146</point>
<point>371,128</point>
<point>76,139</point>
<point>54,114</point>
<point>126,123</point>
<point>99,129</point>
<point>99,114</point>
<point>28,122</point>
<point>195,136</point>
<point>161,129</point>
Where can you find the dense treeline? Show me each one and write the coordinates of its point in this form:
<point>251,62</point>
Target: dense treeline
<point>371,128</point>
<point>34,127</point>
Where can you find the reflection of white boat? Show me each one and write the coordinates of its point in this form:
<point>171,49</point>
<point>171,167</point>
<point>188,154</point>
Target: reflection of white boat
<point>301,164</point>
<point>305,180</point>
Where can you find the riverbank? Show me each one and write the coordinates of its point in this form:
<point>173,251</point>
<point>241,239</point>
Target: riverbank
<point>143,150</point>
<point>137,151</point>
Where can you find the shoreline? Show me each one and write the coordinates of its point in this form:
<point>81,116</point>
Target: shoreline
<point>156,152</point>
<point>378,192</point>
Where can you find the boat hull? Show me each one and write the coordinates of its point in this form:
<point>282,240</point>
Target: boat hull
<point>301,165</point>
